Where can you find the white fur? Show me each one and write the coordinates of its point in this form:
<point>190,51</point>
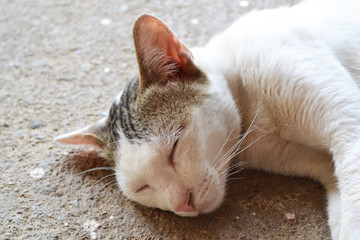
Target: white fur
<point>299,68</point>
<point>118,97</point>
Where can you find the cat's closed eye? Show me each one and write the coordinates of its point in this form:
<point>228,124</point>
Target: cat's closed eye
<point>143,188</point>
<point>172,155</point>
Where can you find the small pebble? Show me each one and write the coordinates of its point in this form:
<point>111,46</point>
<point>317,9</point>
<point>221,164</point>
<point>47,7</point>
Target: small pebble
<point>37,173</point>
<point>39,137</point>
<point>93,235</point>
<point>20,133</point>
<point>124,8</point>
<point>4,125</point>
<point>194,21</point>
<point>107,70</point>
<point>290,216</point>
<point>36,123</point>
<point>10,143</point>
<point>106,21</point>
<point>78,52</point>
<point>244,4</point>
<point>91,225</point>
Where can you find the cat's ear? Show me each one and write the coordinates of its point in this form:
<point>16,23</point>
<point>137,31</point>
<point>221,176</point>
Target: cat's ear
<point>161,56</point>
<point>94,135</point>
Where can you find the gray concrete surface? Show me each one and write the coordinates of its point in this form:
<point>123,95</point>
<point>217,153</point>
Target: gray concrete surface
<point>61,64</point>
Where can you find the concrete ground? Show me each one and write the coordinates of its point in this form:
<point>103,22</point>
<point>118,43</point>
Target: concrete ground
<point>61,64</point>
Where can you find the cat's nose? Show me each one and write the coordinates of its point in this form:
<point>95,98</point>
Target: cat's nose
<point>187,205</point>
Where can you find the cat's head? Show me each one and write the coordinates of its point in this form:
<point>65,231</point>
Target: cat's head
<point>170,131</point>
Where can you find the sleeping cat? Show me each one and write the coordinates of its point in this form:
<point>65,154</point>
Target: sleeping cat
<point>277,90</point>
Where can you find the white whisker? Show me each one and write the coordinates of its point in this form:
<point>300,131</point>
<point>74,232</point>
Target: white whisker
<point>222,147</point>
<point>247,132</point>
<point>249,145</point>
<point>256,140</point>
<point>234,172</point>
<point>229,152</point>
<point>236,149</point>
<point>237,178</point>
<point>107,176</point>
<point>236,165</point>
<point>95,169</point>
<point>107,184</point>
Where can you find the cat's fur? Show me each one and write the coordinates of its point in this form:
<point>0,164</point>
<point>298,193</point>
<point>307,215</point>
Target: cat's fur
<point>284,82</point>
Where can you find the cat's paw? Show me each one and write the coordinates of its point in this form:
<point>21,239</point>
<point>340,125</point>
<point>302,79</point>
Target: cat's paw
<point>334,213</point>
<point>349,231</point>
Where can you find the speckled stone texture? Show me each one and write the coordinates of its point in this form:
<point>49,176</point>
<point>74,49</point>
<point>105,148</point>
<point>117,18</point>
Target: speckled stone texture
<point>61,65</point>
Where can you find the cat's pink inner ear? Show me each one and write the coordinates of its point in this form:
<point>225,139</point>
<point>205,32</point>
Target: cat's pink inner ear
<point>179,52</point>
<point>153,33</point>
<point>82,139</point>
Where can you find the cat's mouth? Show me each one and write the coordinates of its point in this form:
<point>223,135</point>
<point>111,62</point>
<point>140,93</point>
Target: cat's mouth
<point>206,206</point>
<point>187,207</point>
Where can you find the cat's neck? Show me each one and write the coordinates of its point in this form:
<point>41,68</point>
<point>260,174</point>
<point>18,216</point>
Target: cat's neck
<point>222,73</point>
<point>218,62</point>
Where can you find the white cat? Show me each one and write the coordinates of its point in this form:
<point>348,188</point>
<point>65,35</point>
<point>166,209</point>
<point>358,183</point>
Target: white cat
<point>278,90</point>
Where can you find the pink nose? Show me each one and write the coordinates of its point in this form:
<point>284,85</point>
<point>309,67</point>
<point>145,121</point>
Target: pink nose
<point>187,205</point>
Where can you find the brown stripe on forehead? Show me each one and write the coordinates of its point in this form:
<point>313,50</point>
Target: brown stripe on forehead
<point>128,121</point>
<point>158,108</point>
<point>112,122</point>
<point>168,108</point>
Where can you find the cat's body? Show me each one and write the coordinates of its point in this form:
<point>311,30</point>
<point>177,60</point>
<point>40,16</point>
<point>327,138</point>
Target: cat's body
<point>286,80</point>
<point>286,76</point>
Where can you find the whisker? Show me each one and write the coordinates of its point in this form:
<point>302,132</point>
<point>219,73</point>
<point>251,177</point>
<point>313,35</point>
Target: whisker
<point>250,144</point>
<point>234,172</point>
<point>226,174</point>
<point>229,172</point>
<point>228,153</point>
<point>112,181</point>
<point>236,165</point>
<point>233,153</point>
<point>111,185</point>
<point>95,169</point>
<point>107,176</point>
<point>233,148</point>
<point>238,144</point>
<point>222,147</point>
<point>236,149</point>
<point>256,140</point>
<point>228,156</point>
<point>238,178</point>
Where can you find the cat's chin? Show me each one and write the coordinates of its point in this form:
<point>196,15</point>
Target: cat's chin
<point>187,214</point>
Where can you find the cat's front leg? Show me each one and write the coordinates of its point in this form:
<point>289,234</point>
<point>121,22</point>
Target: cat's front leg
<point>347,166</point>
<point>334,212</point>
